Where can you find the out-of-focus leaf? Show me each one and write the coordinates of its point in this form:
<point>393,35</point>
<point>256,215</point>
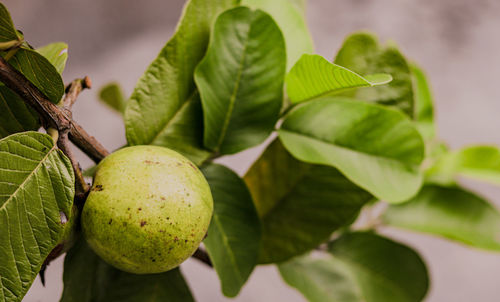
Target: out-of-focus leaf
<point>376,147</point>
<point>233,238</point>
<point>362,53</point>
<point>300,205</point>
<point>112,95</point>
<point>313,76</point>
<point>450,212</point>
<point>36,196</point>
<point>164,108</point>
<point>424,107</point>
<point>8,32</point>
<point>89,279</point>
<point>241,80</point>
<point>292,23</point>
<point>56,53</point>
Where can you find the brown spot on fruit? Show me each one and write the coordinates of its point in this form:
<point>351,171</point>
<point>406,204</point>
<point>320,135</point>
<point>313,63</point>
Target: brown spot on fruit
<point>97,188</point>
<point>143,223</point>
<point>110,221</point>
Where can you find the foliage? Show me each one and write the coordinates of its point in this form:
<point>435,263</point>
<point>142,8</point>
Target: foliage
<point>342,136</point>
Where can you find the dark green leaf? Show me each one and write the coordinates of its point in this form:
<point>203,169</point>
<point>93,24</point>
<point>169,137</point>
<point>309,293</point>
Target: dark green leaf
<point>89,279</point>
<point>384,270</point>
<point>164,108</point>
<point>241,80</point>
<point>300,204</point>
<point>36,196</point>
<point>8,32</point>
<point>56,53</point>
<point>376,147</point>
<point>233,239</point>
<point>313,76</point>
<point>362,53</point>
<point>424,108</point>
<point>291,21</point>
<point>112,95</point>
<point>449,212</point>
<point>15,115</point>
<point>39,71</point>
<point>478,162</point>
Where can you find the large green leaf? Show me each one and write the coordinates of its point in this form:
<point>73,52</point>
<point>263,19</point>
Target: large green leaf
<point>40,72</point>
<point>15,115</point>
<point>313,76</point>
<point>384,270</point>
<point>424,107</point>
<point>376,147</point>
<point>233,238</point>
<point>362,53</point>
<point>89,279</point>
<point>36,196</point>
<point>292,23</point>
<point>300,204</point>
<point>164,108</point>
<point>56,53</point>
<point>8,32</point>
<point>450,212</point>
<point>112,96</point>
<point>478,162</point>
<point>241,80</point>
<point>325,279</point>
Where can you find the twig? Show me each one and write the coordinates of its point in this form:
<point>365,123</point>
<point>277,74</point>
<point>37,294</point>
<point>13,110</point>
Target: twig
<point>202,256</point>
<point>51,114</point>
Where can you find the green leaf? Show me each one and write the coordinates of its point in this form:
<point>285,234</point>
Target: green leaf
<point>241,80</point>
<point>56,53</point>
<point>112,95</point>
<point>325,279</point>
<point>300,5</point>
<point>384,270</point>
<point>292,23</point>
<point>15,115</point>
<point>313,76</point>
<point>164,108</point>
<point>424,107</point>
<point>376,147</point>
<point>36,196</point>
<point>451,212</point>
<point>477,162</point>
<point>300,205</point>
<point>362,53</point>
<point>40,72</point>
<point>89,279</point>
<point>7,30</point>
<point>233,238</point>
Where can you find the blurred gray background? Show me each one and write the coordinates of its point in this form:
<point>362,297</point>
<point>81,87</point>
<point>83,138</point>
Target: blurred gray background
<point>456,41</point>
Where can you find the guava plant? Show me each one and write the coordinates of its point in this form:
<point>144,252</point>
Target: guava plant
<point>350,148</point>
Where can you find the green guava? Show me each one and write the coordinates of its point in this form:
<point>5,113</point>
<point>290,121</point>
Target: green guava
<point>148,210</point>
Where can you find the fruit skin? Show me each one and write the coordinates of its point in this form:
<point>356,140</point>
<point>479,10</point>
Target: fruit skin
<point>148,210</point>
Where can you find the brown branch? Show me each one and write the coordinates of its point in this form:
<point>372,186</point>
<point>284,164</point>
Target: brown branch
<point>61,119</point>
<point>51,114</point>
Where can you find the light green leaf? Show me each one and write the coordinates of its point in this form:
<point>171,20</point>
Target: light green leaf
<point>300,5</point>
<point>241,80</point>
<point>56,53</point>
<point>362,53</point>
<point>376,147</point>
<point>15,115</point>
<point>477,162</point>
<point>313,76</point>
<point>111,94</point>
<point>8,32</point>
<point>300,205</point>
<point>324,279</point>
<point>164,108</point>
<point>384,270</point>
<point>292,23</point>
<point>89,279</point>
<point>450,212</point>
<point>40,72</point>
<point>424,107</point>
<point>233,238</point>
<point>36,196</point>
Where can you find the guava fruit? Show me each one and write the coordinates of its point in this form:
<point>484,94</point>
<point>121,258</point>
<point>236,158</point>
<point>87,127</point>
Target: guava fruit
<point>148,210</point>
